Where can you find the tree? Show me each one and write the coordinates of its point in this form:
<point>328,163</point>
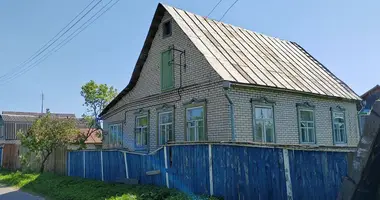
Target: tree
<point>96,98</point>
<point>46,134</point>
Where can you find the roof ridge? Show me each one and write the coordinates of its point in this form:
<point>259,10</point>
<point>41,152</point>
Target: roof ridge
<point>225,23</point>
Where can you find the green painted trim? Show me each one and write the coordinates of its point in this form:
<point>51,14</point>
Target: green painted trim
<point>339,109</point>
<point>170,52</point>
<point>262,102</point>
<point>306,106</point>
<point>203,104</point>
<point>162,109</point>
<point>119,122</point>
<point>137,115</point>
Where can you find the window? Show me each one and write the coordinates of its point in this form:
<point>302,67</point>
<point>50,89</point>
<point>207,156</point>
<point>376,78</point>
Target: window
<point>141,133</point>
<point>115,135</point>
<point>264,126</point>
<point>167,29</point>
<point>195,128</point>
<point>306,125</point>
<point>167,73</point>
<point>339,127</point>
<point>165,127</point>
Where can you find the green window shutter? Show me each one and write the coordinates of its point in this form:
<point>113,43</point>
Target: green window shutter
<point>167,79</point>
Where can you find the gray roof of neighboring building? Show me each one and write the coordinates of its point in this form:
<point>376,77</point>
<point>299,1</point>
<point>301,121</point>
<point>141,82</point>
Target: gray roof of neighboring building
<point>10,116</point>
<point>242,56</point>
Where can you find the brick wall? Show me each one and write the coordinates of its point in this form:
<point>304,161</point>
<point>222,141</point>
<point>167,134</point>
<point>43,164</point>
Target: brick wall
<point>285,116</point>
<point>199,81</point>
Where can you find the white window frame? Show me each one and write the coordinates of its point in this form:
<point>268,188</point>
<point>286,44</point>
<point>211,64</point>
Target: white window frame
<point>307,128</point>
<point>119,135</point>
<point>333,113</point>
<point>166,125</point>
<point>140,129</point>
<point>196,136</point>
<point>263,120</point>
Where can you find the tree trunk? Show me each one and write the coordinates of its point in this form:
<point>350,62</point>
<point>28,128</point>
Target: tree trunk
<point>43,162</point>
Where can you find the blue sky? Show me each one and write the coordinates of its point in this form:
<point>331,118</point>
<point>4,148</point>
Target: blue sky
<point>341,34</point>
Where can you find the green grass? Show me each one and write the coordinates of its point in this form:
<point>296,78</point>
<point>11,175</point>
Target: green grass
<point>57,187</point>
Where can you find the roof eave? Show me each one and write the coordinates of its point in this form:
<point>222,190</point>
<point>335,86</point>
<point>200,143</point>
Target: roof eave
<point>290,91</point>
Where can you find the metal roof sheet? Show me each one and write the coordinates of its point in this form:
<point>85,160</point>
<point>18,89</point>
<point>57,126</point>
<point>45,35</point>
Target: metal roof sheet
<point>11,116</point>
<point>254,58</point>
<point>243,56</point>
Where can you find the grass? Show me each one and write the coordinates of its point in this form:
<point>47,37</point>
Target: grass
<point>57,187</point>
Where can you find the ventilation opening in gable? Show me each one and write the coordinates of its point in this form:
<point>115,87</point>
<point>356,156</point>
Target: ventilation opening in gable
<point>167,29</point>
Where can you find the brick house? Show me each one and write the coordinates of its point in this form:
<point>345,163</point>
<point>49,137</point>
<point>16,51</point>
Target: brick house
<point>198,79</point>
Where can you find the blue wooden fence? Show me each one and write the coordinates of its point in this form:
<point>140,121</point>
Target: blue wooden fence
<point>1,157</point>
<point>228,171</point>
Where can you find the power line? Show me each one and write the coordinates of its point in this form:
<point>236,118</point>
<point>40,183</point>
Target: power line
<point>228,9</point>
<point>214,8</point>
<point>65,41</point>
<point>49,43</point>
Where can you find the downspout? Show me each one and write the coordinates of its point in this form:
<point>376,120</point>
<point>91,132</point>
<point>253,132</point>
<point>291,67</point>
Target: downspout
<point>226,87</point>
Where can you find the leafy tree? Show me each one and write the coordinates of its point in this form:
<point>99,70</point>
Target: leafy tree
<point>46,134</point>
<point>96,98</point>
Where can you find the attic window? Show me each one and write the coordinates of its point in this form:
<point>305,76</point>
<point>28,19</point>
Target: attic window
<point>167,29</point>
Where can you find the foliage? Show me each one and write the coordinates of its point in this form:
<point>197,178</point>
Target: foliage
<point>46,134</point>
<point>63,188</point>
<point>96,98</point>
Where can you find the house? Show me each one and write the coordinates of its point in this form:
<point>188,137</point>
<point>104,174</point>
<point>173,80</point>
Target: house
<point>12,122</point>
<point>198,79</point>
<point>369,98</point>
<point>94,141</point>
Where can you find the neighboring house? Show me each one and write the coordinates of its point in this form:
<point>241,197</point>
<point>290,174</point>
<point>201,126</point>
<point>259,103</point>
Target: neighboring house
<point>94,141</point>
<point>12,122</point>
<point>198,79</point>
<point>369,99</point>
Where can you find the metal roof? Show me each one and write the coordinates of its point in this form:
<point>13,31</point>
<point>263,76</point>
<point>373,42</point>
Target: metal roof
<point>11,116</point>
<point>243,56</point>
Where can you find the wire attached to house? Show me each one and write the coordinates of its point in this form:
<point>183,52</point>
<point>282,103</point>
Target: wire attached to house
<point>214,8</point>
<point>228,10</point>
<point>65,41</point>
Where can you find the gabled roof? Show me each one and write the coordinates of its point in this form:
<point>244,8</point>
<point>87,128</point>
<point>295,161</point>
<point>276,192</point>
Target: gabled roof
<point>242,56</point>
<point>377,87</point>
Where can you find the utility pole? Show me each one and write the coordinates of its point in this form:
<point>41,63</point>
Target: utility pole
<point>42,102</point>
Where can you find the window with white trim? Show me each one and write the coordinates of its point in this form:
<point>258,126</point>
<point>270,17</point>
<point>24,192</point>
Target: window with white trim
<point>195,128</point>
<point>306,125</point>
<point>165,127</point>
<point>141,131</point>
<point>264,126</point>
<point>115,135</point>
<point>339,127</point>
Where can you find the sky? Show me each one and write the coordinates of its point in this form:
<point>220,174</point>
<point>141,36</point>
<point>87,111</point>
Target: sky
<point>341,34</point>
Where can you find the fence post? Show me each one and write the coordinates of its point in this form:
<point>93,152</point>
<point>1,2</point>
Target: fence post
<point>126,165</point>
<point>2,158</point>
<point>210,170</point>
<point>166,167</point>
<point>287,174</point>
<point>84,164</point>
<point>101,164</point>
<point>68,163</point>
